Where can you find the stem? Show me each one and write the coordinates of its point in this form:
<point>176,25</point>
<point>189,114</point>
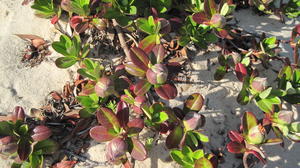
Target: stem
<point>121,38</point>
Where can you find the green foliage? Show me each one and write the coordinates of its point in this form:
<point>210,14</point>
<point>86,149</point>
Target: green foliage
<point>44,8</point>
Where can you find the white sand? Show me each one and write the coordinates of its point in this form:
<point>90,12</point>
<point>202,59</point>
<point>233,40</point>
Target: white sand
<point>29,86</point>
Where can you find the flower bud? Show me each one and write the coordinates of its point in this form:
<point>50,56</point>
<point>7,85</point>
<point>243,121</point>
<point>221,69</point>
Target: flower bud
<point>259,84</point>
<point>256,135</point>
<point>157,74</point>
<point>116,149</point>
<point>104,87</point>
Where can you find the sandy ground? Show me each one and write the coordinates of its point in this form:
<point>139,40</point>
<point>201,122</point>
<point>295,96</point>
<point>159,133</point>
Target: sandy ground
<point>28,87</point>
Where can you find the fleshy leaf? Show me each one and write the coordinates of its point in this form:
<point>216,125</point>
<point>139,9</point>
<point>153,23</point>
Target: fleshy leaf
<point>175,137</point>
<point>18,114</point>
<point>46,146</point>
<point>235,147</point>
<point>203,163</point>
<point>166,91</point>
<point>123,113</point>
<point>135,126</point>
<point>248,121</point>
<point>240,71</point>
<point>107,118</point>
<point>116,149</point>
<point>142,87</point>
<point>41,133</point>
<point>139,58</point>
<point>193,121</point>
<point>101,134</point>
<point>273,141</point>
<point>24,149</point>
<point>235,136</point>
<point>134,70</point>
<point>194,102</point>
<point>65,62</point>
<point>159,52</point>
<point>138,152</point>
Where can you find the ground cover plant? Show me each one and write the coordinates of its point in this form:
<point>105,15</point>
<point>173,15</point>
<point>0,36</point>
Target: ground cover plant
<point>117,103</point>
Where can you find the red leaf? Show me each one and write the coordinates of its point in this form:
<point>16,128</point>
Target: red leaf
<point>123,113</point>
<point>166,91</point>
<point>235,136</point>
<point>107,118</point>
<point>116,149</point>
<point>65,164</point>
<point>200,18</point>
<point>41,133</point>
<point>235,147</point>
<point>101,134</point>
<point>139,58</point>
<point>138,152</point>
<point>160,53</point>
<point>18,114</point>
<point>24,149</point>
<point>240,71</point>
<point>194,102</point>
<point>54,19</point>
<point>175,137</point>
<point>142,87</point>
<point>135,126</point>
<point>134,70</point>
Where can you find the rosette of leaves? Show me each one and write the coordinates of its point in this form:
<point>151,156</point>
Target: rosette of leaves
<point>120,133</point>
<point>155,27</point>
<point>188,158</point>
<point>152,71</point>
<point>24,143</point>
<point>136,102</point>
<point>186,124</point>
<point>72,49</point>
<point>214,16</point>
<point>99,87</point>
<point>47,9</point>
<point>248,141</point>
<point>257,89</point>
<point>289,82</point>
<point>283,125</point>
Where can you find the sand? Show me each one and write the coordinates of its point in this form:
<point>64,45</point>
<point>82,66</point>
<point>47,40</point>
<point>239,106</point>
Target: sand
<point>28,87</point>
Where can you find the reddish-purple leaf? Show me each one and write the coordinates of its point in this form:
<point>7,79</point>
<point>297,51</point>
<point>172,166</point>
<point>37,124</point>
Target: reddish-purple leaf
<point>139,58</point>
<point>259,84</point>
<point>24,149</point>
<point>160,53</point>
<point>54,19</point>
<point>41,133</point>
<point>203,163</point>
<point>200,18</point>
<point>248,121</point>
<point>217,21</point>
<point>135,126</point>
<point>194,102</point>
<point>193,121</point>
<point>8,145</point>
<point>240,71</point>
<point>134,70</point>
<point>138,152</point>
<point>122,113</point>
<point>107,118</point>
<point>166,91</point>
<point>148,43</point>
<point>66,5</point>
<point>79,24</point>
<point>175,137</point>
<point>101,134</point>
<point>142,87</point>
<point>235,147</point>
<point>18,114</point>
<point>235,136</point>
<point>116,149</point>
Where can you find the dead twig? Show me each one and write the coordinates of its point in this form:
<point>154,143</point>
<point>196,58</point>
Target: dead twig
<point>121,38</point>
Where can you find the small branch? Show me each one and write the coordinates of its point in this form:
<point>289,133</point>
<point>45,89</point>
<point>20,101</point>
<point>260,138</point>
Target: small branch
<point>121,38</point>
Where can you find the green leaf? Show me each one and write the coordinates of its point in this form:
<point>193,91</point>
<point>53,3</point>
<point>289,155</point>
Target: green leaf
<point>225,9</point>
<point>243,97</point>
<point>248,121</point>
<point>266,104</point>
<point>35,160</point>
<point>87,112</point>
<point>198,154</point>
<point>80,7</point>
<point>160,117</point>
<point>6,128</point>
<point>65,62</point>
<point>201,137</point>
<point>295,127</point>
<point>265,93</point>
<point>177,156</point>
<point>23,130</point>
<point>46,146</point>
<point>44,8</point>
